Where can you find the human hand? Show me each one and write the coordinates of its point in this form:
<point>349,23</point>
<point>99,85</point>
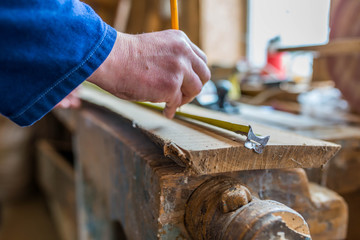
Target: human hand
<point>70,101</point>
<point>157,67</point>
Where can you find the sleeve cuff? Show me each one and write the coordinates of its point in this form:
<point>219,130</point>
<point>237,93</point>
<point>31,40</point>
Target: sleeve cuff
<point>61,88</point>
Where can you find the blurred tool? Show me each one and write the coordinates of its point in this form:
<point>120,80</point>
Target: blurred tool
<point>215,97</point>
<point>274,69</point>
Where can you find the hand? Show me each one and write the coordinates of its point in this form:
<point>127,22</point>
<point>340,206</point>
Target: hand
<point>70,101</point>
<point>157,67</point>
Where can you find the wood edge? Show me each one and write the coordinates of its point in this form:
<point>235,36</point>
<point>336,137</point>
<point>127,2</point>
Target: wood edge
<point>197,170</point>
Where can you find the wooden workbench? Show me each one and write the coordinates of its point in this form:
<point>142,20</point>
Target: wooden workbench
<point>125,184</point>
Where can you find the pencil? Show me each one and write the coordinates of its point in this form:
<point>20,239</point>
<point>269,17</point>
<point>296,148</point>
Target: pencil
<point>174,15</point>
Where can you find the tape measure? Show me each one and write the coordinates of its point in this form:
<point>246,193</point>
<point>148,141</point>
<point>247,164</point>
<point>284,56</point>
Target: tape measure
<point>253,141</point>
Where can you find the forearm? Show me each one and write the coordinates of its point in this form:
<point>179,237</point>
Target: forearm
<point>47,49</point>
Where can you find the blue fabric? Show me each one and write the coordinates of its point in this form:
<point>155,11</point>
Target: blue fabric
<point>47,48</point>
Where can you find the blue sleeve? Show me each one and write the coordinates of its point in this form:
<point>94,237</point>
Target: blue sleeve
<point>47,48</point>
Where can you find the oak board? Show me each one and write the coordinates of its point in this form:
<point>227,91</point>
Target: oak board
<point>205,149</point>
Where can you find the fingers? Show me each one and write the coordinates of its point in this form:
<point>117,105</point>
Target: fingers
<point>195,75</point>
<point>196,49</point>
<point>198,52</point>
<point>190,87</point>
<point>199,62</point>
<point>201,70</point>
<point>172,105</point>
<point>70,101</point>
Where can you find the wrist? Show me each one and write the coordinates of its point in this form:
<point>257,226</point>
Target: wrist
<point>104,74</point>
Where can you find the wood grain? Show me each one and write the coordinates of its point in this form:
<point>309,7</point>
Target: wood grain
<point>205,149</point>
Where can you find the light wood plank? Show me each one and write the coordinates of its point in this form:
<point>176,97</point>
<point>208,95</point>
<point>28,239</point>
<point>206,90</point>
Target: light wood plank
<point>205,149</point>
<point>334,47</point>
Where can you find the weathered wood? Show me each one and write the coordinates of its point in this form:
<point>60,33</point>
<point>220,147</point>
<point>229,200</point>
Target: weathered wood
<point>57,180</point>
<point>333,211</point>
<point>148,193</point>
<point>207,149</point>
<point>116,179</point>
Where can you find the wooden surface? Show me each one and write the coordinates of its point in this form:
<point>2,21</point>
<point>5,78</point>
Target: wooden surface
<point>342,46</point>
<point>56,178</point>
<point>27,219</point>
<point>223,30</point>
<point>16,177</point>
<point>147,193</point>
<point>353,199</point>
<point>204,149</point>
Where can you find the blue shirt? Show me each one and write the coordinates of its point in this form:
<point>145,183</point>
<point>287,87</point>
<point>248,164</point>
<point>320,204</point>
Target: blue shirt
<point>47,48</point>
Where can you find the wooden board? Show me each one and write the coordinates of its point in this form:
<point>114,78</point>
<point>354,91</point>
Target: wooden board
<point>205,149</point>
<point>334,47</point>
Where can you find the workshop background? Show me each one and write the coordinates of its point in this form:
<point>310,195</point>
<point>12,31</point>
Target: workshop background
<point>288,65</point>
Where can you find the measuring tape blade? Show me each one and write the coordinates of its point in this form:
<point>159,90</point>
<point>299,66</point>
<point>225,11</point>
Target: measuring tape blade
<point>253,141</point>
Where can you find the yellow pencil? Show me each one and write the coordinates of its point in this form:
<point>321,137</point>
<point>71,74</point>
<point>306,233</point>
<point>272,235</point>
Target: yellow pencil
<point>174,15</point>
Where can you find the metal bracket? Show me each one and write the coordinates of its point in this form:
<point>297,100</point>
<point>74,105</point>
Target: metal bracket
<point>256,143</point>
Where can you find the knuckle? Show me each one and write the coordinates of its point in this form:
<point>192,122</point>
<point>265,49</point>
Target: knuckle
<point>174,64</point>
<point>179,47</point>
<point>179,33</point>
<point>171,84</point>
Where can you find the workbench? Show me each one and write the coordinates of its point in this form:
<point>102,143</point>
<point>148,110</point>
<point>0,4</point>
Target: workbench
<point>125,186</point>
